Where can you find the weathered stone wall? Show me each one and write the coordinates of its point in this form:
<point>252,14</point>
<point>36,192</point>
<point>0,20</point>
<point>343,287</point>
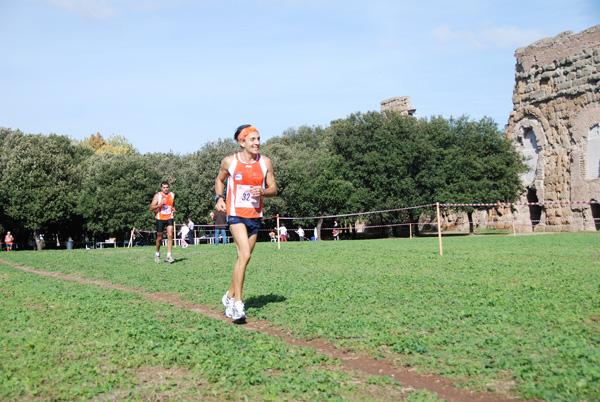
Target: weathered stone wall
<point>501,218</point>
<point>556,122</point>
<point>398,104</point>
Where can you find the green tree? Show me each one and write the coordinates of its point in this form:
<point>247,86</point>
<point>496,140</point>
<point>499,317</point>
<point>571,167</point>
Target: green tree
<point>115,144</point>
<point>310,178</point>
<point>398,161</point>
<point>169,164</point>
<point>195,195</point>
<point>116,193</point>
<point>383,155</point>
<point>472,163</point>
<point>40,181</point>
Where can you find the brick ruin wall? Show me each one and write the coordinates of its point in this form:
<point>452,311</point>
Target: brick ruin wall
<point>556,124</point>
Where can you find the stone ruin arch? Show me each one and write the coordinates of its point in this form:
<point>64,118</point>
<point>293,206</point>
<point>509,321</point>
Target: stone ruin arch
<point>530,140</point>
<point>556,122</point>
<point>586,139</point>
<point>595,212</point>
<point>593,154</point>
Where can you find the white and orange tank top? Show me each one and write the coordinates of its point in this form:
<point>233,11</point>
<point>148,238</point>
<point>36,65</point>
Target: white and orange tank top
<point>165,212</point>
<point>242,175</point>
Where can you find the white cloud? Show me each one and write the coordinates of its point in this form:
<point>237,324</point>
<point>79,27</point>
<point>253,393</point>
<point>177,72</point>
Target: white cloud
<point>509,37</point>
<point>389,45</point>
<point>94,9</point>
<point>107,9</point>
<point>445,35</point>
<point>292,2</point>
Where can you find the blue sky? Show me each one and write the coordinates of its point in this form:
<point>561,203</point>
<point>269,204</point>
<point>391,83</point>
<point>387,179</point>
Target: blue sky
<point>172,75</point>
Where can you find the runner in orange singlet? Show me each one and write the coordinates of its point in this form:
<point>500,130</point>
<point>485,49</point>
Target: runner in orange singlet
<point>163,204</point>
<point>249,178</point>
<point>8,239</point>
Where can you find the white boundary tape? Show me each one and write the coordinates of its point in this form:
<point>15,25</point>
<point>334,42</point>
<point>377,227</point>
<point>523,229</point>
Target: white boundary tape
<point>496,204</point>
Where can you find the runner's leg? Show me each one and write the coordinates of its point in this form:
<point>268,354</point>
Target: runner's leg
<point>245,246</point>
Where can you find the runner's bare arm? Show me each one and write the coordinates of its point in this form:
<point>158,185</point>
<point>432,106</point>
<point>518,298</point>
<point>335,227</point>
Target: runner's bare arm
<point>270,189</point>
<point>154,204</point>
<point>220,183</point>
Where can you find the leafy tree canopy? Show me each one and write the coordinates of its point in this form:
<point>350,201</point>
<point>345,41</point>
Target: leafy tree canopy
<point>115,144</point>
<point>195,186</point>
<point>116,193</point>
<point>40,179</point>
<point>473,162</point>
<point>365,162</point>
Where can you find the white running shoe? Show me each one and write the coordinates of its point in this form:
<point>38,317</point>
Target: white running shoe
<point>228,303</point>
<point>238,310</point>
<point>157,258</point>
<point>169,259</point>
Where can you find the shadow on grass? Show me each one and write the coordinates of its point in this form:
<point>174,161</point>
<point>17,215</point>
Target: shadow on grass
<point>175,261</point>
<point>261,301</point>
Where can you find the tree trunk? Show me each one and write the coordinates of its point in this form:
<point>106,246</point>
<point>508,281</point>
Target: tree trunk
<point>415,226</point>
<point>318,228</point>
<point>389,230</point>
<point>470,217</point>
<point>38,242</point>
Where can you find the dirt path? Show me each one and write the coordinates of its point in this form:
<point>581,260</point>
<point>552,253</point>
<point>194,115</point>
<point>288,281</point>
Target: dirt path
<point>354,361</point>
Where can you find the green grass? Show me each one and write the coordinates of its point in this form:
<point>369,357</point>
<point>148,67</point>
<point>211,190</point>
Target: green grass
<point>63,341</point>
<point>494,312</point>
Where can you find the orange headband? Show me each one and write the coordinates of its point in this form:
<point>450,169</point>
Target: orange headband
<point>245,132</point>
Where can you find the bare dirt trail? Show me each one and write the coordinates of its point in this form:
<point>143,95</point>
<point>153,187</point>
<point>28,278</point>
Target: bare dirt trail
<point>354,361</point>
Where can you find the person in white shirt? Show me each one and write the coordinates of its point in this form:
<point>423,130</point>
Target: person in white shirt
<point>283,233</point>
<point>184,232</point>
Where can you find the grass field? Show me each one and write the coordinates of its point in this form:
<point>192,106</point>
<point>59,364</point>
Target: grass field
<point>516,314</point>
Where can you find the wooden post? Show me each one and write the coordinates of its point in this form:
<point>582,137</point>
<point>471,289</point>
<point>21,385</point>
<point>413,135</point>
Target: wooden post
<point>437,205</point>
<point>130,238</point>
<point>513,222</point>
<point>410,230</point>
<point>278,236</point>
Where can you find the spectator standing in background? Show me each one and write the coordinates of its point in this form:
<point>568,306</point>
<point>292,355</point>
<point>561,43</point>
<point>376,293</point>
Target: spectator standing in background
<point>283,232</point>
<point>191,236</point>
<point>336,230</point>
<point>220,226</point>
<point>184,231</point>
